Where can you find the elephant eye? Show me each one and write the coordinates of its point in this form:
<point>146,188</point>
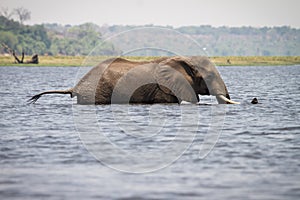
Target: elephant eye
<point>209,77</point>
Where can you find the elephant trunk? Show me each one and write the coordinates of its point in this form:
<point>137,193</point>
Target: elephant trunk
<point>218,88</point>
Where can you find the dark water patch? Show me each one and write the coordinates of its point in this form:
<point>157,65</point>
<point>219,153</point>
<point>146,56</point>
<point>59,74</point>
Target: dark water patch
<point>286,128</point>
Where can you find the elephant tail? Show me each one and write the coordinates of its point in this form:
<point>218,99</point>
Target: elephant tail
<point>33,99</point>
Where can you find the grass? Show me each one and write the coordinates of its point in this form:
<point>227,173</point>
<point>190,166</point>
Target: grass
<point>219,61</point>
<point>256,60</point>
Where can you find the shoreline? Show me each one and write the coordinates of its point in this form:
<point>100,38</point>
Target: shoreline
<point>218,60</point>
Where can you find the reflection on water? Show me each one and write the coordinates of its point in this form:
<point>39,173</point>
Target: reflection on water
<point>257,155</point>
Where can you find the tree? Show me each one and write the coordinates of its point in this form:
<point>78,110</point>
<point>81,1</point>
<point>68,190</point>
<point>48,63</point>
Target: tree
<point>6,13</point>
<point>23,14</point>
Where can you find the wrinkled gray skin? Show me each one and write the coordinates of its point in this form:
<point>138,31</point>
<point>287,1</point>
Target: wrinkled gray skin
<point>165,80</point>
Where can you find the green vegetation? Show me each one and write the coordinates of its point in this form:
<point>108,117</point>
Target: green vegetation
<point>80,40</point>
<point>77,40</point>
<point>31,39</point>
<point>221,41</point>
<point>37,39</point>
<point>255,60</point>
<point>219,61</point>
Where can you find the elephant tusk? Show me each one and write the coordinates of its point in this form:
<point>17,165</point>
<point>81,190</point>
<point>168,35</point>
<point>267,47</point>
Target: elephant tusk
<point>226,100</point>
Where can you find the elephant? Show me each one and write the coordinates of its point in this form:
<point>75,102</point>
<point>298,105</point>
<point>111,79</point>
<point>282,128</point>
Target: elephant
<point>173,79</point>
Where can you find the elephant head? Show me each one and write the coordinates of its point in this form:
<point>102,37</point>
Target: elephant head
<point>190,76</point>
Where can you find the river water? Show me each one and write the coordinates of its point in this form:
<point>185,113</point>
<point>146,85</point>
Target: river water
<point>154,151</point>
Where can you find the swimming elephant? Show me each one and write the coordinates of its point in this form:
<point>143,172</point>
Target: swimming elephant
<point>163,80</point>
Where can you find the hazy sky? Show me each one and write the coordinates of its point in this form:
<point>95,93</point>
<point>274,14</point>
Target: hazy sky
<point>256,13</point>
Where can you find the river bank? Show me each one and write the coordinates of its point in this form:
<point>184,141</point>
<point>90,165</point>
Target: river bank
<point>218,60</point>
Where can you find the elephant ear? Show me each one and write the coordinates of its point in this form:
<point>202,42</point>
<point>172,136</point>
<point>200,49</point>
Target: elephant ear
<point>172,80</point>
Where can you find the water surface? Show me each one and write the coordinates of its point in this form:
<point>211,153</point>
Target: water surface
<point>257,155</point>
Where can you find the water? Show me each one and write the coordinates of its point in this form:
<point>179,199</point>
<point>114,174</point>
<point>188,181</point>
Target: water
<point>257,154</point>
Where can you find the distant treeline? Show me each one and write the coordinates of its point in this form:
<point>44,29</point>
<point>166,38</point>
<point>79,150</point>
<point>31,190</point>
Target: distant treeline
<point>56,39</point>
<point>51,39</point>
